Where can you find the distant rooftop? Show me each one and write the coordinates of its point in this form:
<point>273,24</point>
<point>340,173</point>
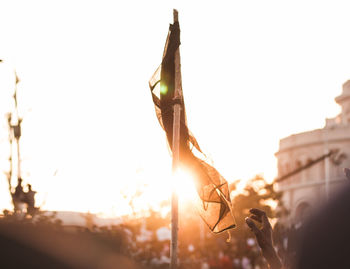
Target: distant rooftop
<point>70,218</point>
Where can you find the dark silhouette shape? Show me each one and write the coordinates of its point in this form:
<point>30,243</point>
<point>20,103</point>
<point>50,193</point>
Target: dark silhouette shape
<point>32,246</point>
<point>19,193</point>
<point>264,237</point>
<point>30,200</point>
<point>322,242</point>
<point>18,196</point>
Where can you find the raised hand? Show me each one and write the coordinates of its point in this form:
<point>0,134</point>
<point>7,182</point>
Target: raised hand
<point>264,236</point>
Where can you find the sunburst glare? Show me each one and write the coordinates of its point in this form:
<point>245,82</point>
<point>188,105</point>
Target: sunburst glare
<point>184,186</point>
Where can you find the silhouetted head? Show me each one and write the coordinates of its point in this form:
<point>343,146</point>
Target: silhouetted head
<point>20,180</point>
<point>29,187</point>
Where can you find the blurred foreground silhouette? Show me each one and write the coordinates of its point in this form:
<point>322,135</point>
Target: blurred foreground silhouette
<point>321,242</point>
<point>46,244</point>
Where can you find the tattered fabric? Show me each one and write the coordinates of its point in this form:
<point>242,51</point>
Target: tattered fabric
<point>215,204</point>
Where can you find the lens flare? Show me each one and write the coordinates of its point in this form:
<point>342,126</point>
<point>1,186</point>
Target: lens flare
<point>163,89</point>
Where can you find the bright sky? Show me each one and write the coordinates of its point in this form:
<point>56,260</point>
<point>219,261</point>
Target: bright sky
<point>253,72</point>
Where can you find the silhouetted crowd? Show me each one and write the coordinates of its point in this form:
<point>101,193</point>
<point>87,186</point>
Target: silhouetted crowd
<point>320,242</point>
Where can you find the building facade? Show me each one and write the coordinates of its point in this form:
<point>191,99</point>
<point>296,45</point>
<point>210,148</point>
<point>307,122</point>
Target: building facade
<point>318,159</point>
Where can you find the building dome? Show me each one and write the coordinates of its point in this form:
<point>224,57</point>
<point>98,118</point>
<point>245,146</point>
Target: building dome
<point>311,164</point>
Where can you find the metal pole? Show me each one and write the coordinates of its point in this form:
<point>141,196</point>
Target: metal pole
<point>18,160</point>
<point>175,150</point>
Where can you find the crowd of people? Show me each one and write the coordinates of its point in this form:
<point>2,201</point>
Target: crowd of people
<point>321,242</point>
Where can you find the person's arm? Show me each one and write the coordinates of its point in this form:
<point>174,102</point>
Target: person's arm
<point>264,237</point>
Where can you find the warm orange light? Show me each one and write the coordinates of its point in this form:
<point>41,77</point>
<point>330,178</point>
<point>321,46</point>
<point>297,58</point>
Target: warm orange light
<point>184,186</point>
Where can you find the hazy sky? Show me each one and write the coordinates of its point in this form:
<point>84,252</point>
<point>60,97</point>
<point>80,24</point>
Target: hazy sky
<point>253,72</point>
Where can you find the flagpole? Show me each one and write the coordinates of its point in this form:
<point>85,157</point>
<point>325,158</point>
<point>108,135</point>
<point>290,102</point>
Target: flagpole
<point>175,163</point>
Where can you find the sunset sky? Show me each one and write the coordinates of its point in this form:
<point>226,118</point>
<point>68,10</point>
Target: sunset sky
<point>253,72</point>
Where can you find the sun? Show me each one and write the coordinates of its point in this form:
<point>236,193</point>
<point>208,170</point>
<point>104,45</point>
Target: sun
<point>183,184</point>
